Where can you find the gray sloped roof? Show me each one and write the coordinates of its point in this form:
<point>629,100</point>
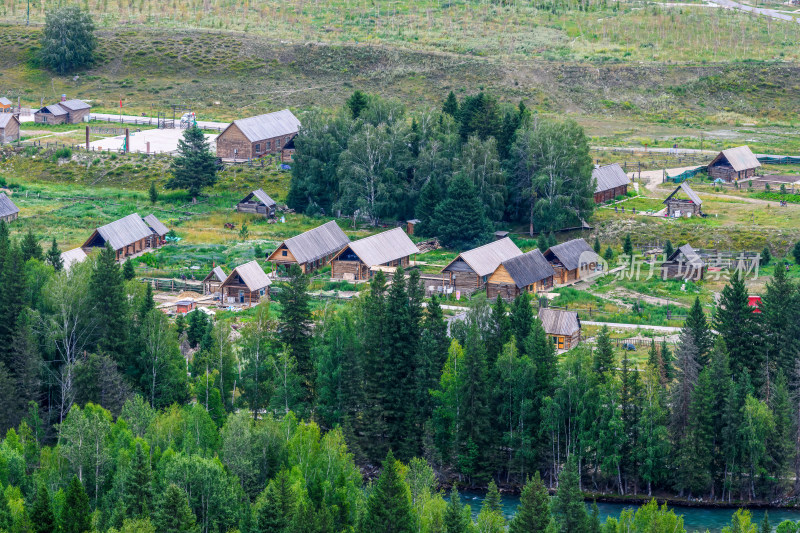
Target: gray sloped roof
<point>55,110</point>
<point>528,268</point>
<point>70,257</point>
<point>610,177</point>
<point>7,207</point>
<point>317,243</point>
<point>5,118</point>
<point>218,274</point>
<point>690,255</point>
<point>689,192</point>
<point>267,126</point>
<point>383,247</point>
<point>156,225</point>
<point>75,105</point>
<point>559,321</point>
<point>4,101</point>
<point>252,275</point>
<point>262,197</point>
<point>740,158</point>
<point>571,253</point>
<point>124,231</point>
<point>484,260</point>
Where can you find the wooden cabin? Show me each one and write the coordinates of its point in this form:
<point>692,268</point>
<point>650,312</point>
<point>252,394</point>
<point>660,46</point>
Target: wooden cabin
<point>9,128</point>
<point>257,202</point>
<point>311,249</point>
<point>411,224</point>
<point>572,260</point>
<point>128,236</point>
<point>158,231</point>
<point>683,202</point>
<point>6,106</point>
<point>360,259</point>
<point>733,164</point>
<point>64,112</point>
<point>213,281</point>
<point>73,257</point>
<point>684,263</point>
<point>254,137</point>
<point>8,210</point>
<point>246,285</point>
<point>185,306</point>
<point>471,269</point>
<point>529,272</point>
<point>562,326</point>
<point>610,182</point>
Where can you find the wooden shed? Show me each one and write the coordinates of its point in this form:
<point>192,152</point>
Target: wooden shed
<point>253,137</point>
<point>684,263</point>
<point>360,259</point>
<point>733,164</point>
<point>8,210</point>
<point>562,326</point>
<point>73,257</point>
<point>185,306</point>
<point>684,202</point>
<point>311,249</point>
<point>529,272</point>
<point>128,236</point>
<point>611,181</point>
<point>66,112</point>
<point>572,260</point>
<point>213,281</point>
<point>6,106</point>
<point>246,285</point>
<point>257,202</point>
<point>471,269</point>
<point>9,128</point>
<point>158,231</point>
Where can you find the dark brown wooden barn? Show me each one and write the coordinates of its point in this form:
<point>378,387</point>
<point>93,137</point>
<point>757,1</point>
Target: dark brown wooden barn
<point>471,269</point>
<point>385,251</point>
<point>250,138</point>
<point>572,260</point>
<point>684,202</point>
<point>312,249</point>
<point>8,210</point>
<point>529,272</point>
<point>128,236</point>
<point>247,285</point>
<point>213,281</point>
<point>611,181</point>
<point>733,164</point>
<point>9,128</point>
<point>562,326</point>
<point>65,112</point>
<point>684,263</point>
<point>257,202</point>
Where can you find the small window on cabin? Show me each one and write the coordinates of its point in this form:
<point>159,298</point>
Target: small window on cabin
<point>269,145</point>
<point>284,253</point>
<point>258,147</point>
<point>277,143</point>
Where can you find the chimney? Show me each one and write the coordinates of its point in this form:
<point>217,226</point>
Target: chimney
<point>63,97</point>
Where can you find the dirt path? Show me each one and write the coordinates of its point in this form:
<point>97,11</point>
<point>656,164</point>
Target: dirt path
<point>772,13</point>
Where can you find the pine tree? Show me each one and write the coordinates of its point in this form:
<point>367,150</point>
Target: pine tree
<point>152,193</point>
<point>110,303</point>
<point>594,520</point>
<point>5,513</point>
<point>569,510</point>
<point>194,167</point>
<point>533,512</point>
<point>608,255</point>
<point>603,355</point>
<point>388,507</point>
<point>295,322</point>
<point>541,242</point>
<point>696,448</point>
<point>596,246</point>
<point>766,257</point>
<point>75,517</point>
<point>656,363</point>
<point>276,508</point>
<point>430,196</point>
<point>631,403</point>
<point>740,327</point>
<point>492,501</point>
<point>667,360</point>
<point>174,514</point>
<point>11,299</point>
<point>41,514</point>
<point>475,450</point>
<point>138,485</point>
<point>460,218</point>
<point>357,103</point>
<point>765,525</point>
<point>781,302</point>
<point>54,257</point>
<point>128,272</point>
<point>499,331</point>
<point>30,247</point>
<point>457,515</point>
<point>551,240</point>
<point>431,357</point>
<point>687,369</point>
<point>521,320</point>
<point>668,249</point>
<point>450,105</point>
<point>627,246</point>
<point>374,316</point>
<point>697,325</point>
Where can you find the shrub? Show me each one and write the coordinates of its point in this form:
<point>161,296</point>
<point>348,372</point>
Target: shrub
<point>63,153</point>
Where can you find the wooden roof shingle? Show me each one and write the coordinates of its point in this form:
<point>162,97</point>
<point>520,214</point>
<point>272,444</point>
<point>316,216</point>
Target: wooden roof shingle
<point>610,177</point>
<point>7,207</point>
<point>559,321</point>
<point>75,105</point>
<point>528,268</point>
<point>317,243</point>
<point>124,231</point>
<point>740,158</point>
<point>269,125</point>
<point>383,247</point>
<point>689,192</point>
<point>690,255</point>
<point>216,274</point>
<point>156,225</point>
<point>485,259</point>
<point>572,254</point>
<point>252,276</point>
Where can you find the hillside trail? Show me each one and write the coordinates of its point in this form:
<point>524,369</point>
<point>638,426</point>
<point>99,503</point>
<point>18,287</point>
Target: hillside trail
<point>772,13</point>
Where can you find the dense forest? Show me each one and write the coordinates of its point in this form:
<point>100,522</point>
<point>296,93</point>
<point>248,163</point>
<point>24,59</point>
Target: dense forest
<point>106,403</point>
<point>458,171</point>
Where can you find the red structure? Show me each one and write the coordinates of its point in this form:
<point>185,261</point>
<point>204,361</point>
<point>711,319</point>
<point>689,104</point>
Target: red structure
<point>755,303</point>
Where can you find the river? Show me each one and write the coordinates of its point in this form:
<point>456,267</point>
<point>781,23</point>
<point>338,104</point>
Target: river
<point>694,519</point>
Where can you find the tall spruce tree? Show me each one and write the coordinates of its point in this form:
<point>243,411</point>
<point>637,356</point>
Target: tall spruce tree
<point>499,331</point>
<point>53,257</point>
<point>295,322</point>
<point>521,320</point>
<point>569,510</point>
<point>76,514</point>
<point>668,249</point>
<point>781,302</point>
<point>697,325</point>
<point>194,167</point>
<point>139,485</point>
<point>12,276</point>
<point>110,304</point>
<point>457,517</point>
<point>374,317</point>
<point>276,508</point>
<point>42,517</point>
<point>687,369</point>
<point>740,327</point>
<point>388,508</point>
<point>450,106</point>
<point>30,247</point>
<point>6,519</point>
<point>128,272</point>
<point>174,514</point>
<point>696,449</point>
<point>430,196</point>
<point>603,355</point>
<point>533,512</point>
<point>431,357</point>
<point>475,452</point>
<point>460,219</point>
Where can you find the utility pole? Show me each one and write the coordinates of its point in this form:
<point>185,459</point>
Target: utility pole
<point>28,14</point>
